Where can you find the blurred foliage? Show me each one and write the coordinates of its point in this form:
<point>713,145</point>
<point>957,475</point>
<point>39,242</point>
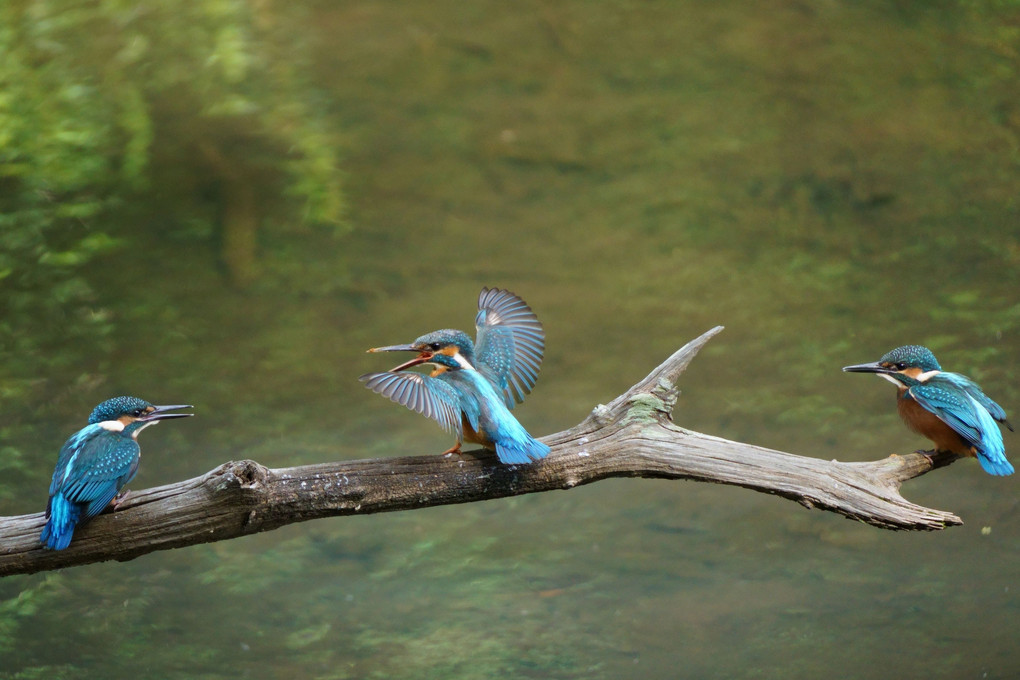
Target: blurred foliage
<point>100,100</point>
<point>199,120</point>
<point>93,89</point>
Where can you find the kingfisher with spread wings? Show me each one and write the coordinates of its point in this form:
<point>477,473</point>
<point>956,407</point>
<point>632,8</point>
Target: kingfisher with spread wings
<point>473,386</point>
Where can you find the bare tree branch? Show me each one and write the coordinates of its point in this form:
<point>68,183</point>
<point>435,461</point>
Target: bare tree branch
<point>633,436</point>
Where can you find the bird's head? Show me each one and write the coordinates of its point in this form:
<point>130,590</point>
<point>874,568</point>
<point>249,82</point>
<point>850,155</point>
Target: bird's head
<point>129,410</point>
<point>904,365</point>
<point>446,349</point>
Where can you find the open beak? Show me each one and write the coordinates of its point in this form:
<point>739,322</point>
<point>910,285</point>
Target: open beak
<point>418,360</point>
<point>395,348</point>
<point>873,367</point>
<point>162,413</point>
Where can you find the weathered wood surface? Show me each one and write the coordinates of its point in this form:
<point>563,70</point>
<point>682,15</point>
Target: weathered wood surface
<point>631,437</point>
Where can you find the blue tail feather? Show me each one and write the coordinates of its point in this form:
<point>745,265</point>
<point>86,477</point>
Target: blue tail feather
<point>994,466</point>
<point>991,452</point>
<point>528,452</point>
<point>63,519</point>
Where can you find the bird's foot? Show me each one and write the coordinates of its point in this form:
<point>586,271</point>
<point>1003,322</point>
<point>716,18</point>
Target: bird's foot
<point>452,450</point>
<point>939,458</point>
<point>118,499</point>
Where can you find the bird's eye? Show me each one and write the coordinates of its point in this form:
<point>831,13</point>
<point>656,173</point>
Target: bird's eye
<point>138,412</point>
<point>900,366</point>
<point>435,346</point>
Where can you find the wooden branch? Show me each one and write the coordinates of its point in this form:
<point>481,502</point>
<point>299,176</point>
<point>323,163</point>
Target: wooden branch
<point>633,436</point>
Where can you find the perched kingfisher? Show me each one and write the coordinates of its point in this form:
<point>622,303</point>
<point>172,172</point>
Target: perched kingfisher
<point>474,385</point>
<point>947,408</point>
<point>96,463</point>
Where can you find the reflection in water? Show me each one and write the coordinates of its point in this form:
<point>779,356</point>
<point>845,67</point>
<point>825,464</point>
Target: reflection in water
<point>826,182</point>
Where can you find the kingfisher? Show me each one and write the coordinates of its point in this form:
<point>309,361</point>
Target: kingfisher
<point>96,462</point>
<point>473,386</point>
<point>947,408</point>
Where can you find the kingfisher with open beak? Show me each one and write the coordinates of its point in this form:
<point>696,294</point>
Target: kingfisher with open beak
<point>97,462</point>
<point>473,386</point>
<point>947,408</point>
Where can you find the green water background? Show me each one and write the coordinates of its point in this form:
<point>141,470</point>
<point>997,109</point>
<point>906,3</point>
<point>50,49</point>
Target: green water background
<point>827,180</point>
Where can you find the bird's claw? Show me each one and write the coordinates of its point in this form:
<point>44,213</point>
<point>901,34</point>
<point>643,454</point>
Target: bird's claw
<point>115,503</point>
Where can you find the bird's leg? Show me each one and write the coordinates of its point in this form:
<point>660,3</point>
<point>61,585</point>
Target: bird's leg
<point>452,450</point>
<point>118,499</point>
<point>939,458</point>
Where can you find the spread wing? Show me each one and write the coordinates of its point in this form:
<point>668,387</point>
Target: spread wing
<point>93,466</point>
<point>431,397</point>
<point>509,345</point>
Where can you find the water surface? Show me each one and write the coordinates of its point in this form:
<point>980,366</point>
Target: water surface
<point>826,181</point>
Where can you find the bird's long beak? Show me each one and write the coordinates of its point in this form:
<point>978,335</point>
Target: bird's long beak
<point>873,367</point>
<point>418,360</point>
<point>395,348</point>
<point>161,413</point>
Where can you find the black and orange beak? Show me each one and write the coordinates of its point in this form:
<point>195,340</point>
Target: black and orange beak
<point>423,357</point>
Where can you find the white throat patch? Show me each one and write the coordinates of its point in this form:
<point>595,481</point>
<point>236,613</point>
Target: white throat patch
<point>134,435</point>
<point>891,379</point>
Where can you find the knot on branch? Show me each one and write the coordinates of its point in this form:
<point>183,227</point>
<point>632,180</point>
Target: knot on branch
<point>602,415</point>
<point>240,474</point>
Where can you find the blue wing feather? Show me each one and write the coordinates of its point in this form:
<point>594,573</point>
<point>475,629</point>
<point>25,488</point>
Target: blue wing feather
<point>93,466</point>
<point>431,397</point>
<point>994,410</point>
<point>957,407</point>
<point>509,345</point>
<point>953,407</point>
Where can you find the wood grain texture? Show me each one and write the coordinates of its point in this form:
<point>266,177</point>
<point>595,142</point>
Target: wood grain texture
<point>633,436</point>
